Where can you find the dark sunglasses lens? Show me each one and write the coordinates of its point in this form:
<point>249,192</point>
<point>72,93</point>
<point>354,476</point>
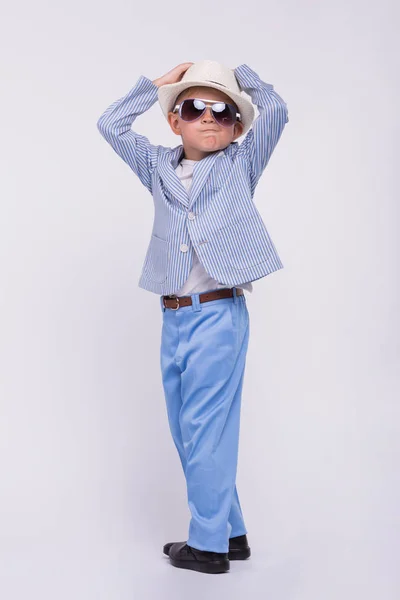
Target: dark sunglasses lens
<point>224,114</point>
<point>191,109</point>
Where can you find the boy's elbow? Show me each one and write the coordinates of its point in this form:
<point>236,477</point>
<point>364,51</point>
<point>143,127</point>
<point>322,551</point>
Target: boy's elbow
<point>283,108</point>
<point>101,125</point>
<point>105,129</point>
<point>282,112</point>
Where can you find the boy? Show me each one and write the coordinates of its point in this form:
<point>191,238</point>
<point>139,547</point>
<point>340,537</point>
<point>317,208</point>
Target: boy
<point>207,245</point>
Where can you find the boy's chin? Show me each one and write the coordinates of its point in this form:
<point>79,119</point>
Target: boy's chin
<point>211,146</point>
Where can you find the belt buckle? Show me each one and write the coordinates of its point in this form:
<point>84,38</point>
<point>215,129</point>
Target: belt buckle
<point>176,298</point>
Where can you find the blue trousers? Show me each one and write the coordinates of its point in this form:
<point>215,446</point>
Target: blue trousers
<point>202,357</point>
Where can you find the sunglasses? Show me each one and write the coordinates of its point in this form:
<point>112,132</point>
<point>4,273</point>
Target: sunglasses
<point>193,108</point>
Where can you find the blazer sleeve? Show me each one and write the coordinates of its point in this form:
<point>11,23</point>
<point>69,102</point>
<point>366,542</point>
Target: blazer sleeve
<point>267,128</point>
<point>115,126</point>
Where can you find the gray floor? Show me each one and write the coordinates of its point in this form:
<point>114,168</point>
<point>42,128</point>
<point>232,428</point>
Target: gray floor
<point>331,567</point>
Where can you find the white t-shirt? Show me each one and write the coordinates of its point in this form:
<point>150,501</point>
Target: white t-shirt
<point>198,280</point>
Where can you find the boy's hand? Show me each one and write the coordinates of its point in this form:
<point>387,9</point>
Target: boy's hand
<point>174,75</point>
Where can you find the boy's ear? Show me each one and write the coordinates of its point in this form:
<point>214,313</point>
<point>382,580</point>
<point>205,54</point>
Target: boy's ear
<point>174,123</point>
<point>238,130</point>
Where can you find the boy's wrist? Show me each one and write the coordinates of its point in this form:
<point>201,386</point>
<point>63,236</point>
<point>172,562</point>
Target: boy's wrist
<point>147,83</point>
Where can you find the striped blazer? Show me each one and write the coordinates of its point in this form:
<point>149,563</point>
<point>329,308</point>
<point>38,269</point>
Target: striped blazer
<point>217,217</point>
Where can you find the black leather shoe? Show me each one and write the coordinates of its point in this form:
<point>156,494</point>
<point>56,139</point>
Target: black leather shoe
<point>184,556</point>
<point>238,548</point>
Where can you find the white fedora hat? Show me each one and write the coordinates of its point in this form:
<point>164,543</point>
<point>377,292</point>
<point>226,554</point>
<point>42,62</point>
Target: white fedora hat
<point>208,73</point>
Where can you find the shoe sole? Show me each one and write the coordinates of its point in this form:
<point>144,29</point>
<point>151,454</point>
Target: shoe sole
<point>212,568</point>
<point>233,554</point>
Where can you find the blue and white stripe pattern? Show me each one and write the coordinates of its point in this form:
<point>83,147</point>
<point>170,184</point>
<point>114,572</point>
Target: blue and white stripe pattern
<point>217,217</point>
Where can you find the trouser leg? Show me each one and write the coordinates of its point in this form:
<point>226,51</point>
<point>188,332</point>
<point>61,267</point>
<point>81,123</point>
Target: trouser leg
<point>203,360</point>
<point>171,380</point>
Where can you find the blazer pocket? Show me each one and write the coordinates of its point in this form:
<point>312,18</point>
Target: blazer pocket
<point>239,243</point>
<point>156,260</point>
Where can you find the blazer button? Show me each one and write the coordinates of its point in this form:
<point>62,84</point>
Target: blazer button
<point>184,248</point>
<point>191,216</point>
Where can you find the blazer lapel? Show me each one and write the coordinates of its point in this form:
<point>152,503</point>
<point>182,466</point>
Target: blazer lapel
<point>201,171</point>
<point>166,165</point>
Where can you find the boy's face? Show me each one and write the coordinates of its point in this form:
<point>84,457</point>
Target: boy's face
<point>204,135</point>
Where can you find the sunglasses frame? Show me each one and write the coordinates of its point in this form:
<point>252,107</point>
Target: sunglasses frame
<point>207,103</point>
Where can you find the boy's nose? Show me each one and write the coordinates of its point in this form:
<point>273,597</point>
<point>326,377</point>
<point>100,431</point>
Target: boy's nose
<point>208,113</point>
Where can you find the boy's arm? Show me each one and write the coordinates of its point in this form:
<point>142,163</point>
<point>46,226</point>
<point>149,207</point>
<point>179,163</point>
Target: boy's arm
<point>266,129</point>
<point>115,126</point>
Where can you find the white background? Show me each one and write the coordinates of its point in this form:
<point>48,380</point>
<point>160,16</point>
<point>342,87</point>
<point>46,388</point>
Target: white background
<point>91,484</point>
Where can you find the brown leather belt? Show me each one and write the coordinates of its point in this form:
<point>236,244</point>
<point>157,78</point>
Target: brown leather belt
<point>175,302</point>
